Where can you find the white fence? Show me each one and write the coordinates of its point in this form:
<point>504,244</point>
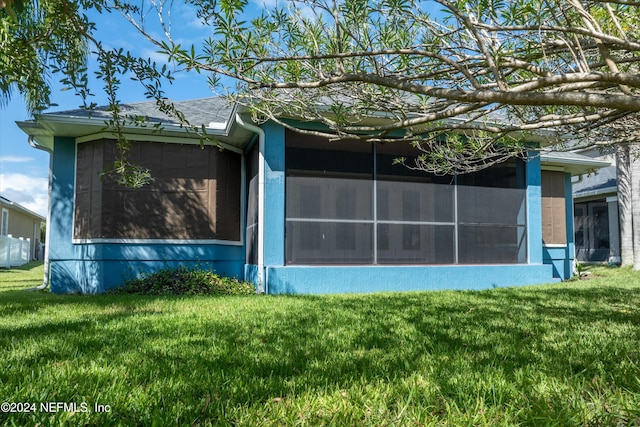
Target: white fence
<point>14,252</point>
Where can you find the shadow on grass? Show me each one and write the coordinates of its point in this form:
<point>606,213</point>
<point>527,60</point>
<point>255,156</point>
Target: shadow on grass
<point>26,267</point>
<point>153,357</point>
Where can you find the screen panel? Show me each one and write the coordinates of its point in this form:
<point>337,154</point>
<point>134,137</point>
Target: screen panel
<point>415,201</point>
<point>416,244</point>
<point>195,193</point>
<point>554,221</point>
<point>491,244</point>
<point>412,217</point>
<point>334,243</point>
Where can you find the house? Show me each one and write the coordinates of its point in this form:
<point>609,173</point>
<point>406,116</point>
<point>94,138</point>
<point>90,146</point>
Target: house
<point>295,213</point>
<point>19,222</point>
<point>597,221</point>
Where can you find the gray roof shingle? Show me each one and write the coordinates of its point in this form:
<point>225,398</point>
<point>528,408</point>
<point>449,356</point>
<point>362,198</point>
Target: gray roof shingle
<point>197,111</point>
<point>604,181</point>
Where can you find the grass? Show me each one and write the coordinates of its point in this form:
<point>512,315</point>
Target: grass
<point>563,354</point>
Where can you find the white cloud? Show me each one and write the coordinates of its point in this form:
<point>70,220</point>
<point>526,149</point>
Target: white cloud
<point>301,9</point>
<point>15,159</point>
<point>267,4</point>
<point>196,23</point>
<point>187,17</point>
<point>154,55</point>
<point>30,192</point>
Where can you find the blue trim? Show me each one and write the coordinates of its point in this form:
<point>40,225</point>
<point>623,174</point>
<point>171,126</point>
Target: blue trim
<point>324,280</point>
<point>557,258</point>
<point>251,273</point>
<point>62,198</point>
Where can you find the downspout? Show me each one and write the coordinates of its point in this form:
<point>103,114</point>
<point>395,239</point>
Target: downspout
<point>262,284</point>
<point>580,178</point>
<point>45,280</point>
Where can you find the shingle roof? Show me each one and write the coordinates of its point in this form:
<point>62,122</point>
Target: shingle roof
<point>216,114</point>
<point>604,181</point>
<point>197,111</point>
<point>6,202</point>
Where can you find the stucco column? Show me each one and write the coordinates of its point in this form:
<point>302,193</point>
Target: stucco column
<point>534,208</point>
<point>62,197</point>
<point>274,197</point>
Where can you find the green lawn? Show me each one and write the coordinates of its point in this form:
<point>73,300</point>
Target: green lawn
<point>563,354</point>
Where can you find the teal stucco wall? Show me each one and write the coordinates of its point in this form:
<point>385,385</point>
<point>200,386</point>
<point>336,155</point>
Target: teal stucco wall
<point>96,267</point>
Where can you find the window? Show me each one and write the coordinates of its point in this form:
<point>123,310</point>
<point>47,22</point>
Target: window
<point>252,222</point>
<point>251,230</point>
<point>592,231</point>
<point>4,226</point>
<point>554,216</point>
<point>195,194</point>
<point>348,203</point>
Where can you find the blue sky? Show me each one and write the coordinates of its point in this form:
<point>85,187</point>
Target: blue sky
<point>24,170</point>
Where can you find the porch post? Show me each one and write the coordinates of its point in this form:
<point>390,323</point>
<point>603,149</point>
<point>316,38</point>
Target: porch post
<point>274,211</point>
<point>534,208</point>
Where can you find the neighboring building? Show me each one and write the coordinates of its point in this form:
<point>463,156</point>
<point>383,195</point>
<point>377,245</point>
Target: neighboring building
<point>596,212</point>
<point>296,213</point>
<point>18,221</point>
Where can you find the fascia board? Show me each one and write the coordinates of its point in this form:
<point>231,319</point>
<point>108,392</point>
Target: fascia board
<point>46,126</point>
<point>591,194</point>
<point>78,126</point>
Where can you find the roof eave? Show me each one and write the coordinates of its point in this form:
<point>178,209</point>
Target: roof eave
<point>600,192</point>
<point>47,126</point>
<point>21,208</point>
<point>572,165</point>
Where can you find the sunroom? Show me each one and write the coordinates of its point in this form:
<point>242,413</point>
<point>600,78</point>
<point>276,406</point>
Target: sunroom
<point>346,217</point>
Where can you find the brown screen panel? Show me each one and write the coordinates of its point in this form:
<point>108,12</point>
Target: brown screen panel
<point>82,211</point>
<point>88,197</point>
<point>184,201</point>
<point>226,203</point>
<point>554,227</point>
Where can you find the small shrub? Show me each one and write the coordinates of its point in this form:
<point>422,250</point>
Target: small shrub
<point>185,281</point>
<point>580,271</point>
